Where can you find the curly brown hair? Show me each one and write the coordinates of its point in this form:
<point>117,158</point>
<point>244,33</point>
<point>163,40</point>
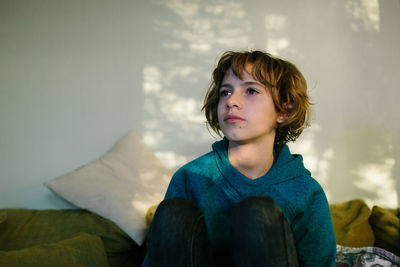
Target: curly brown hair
<point>285,82</point>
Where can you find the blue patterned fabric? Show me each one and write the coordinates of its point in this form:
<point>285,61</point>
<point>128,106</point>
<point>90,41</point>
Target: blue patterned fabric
<point>365,257</point>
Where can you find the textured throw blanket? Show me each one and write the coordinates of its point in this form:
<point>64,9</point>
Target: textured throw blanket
<point>366,257</point>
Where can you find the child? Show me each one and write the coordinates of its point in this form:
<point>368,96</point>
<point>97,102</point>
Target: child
<point>248,202</point>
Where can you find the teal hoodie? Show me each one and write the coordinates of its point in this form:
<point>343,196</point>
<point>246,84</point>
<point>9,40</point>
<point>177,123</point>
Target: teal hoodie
<point>216,186</point>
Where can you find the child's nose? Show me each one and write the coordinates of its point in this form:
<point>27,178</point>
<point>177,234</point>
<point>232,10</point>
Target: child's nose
<point>233,101</point>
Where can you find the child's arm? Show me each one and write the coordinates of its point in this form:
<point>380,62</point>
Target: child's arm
<point>177,186</point>
<point>313,232</point>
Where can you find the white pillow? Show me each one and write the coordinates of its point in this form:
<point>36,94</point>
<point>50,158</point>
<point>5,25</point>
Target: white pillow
<point>119,186</point>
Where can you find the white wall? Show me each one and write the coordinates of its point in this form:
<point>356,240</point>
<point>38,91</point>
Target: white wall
<point>75,76</point>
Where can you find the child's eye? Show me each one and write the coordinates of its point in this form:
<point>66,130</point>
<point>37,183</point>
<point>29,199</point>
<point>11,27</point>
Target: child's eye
<point>252,91</point>
<point>224,93</point>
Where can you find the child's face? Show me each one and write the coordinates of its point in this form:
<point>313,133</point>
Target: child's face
<point>246,111</point>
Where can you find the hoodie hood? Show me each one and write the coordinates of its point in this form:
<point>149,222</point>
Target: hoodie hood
<point>285,168</point>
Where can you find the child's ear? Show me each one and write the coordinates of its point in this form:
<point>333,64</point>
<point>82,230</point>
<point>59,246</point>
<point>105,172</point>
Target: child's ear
<point>282,117</point>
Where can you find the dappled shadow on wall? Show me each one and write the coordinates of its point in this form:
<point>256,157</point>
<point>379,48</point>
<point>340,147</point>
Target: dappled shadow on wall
<point>355,164</point>
<point>189,36</point>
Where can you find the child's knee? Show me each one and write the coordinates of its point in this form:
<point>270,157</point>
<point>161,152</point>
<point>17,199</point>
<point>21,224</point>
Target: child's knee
<point>257,211</point>
<point>257,204</point>
<point>176,209</point>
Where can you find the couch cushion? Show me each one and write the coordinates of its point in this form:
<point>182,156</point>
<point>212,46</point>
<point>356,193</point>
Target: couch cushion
<point>80,250</point>
<point>386,226</point>
<point>351,225</point>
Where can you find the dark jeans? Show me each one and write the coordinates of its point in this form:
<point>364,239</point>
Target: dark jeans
<point>260,235</point>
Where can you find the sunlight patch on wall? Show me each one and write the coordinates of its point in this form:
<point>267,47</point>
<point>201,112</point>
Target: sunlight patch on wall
<point>365,10</point>
<point>161,102</point>
<point>323,166</point>
<point>316,164</point>
<point>306,147</point>
<point>172,45</point>
<point>183,8</point>
<point>205,23</point>
<point>275,26</point>
<point>151,80</point>
<point>181,72</point>
<point>180,109</point>
<point>170,114</point>
<point>152,136</point>
<point>377,179</point>
<point>191,37</point>
<point>171,159</point>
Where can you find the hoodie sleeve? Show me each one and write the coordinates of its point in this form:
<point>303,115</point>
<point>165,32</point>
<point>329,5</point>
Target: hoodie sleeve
<point>177,186</point>
<point>313,231</point>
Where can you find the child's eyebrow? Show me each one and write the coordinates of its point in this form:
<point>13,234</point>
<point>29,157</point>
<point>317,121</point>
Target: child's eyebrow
<point>253,83</point>
<point>245,83</point>
<point>226,85</point>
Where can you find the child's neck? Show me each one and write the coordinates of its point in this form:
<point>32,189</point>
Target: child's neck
<point>252,159</point>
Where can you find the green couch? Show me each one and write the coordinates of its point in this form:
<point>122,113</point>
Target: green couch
<point>63,238</point>
<point>82,238</point>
